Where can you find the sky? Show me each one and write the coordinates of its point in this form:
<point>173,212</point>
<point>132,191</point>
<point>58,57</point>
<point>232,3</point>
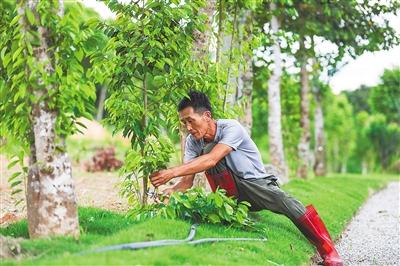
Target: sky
<point>364,70</point>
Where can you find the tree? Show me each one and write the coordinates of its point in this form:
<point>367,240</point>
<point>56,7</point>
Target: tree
<point>150,69</point>
<point>360,31</point>
<point>340,132</point>
<point>44,91</point>
<point>359,99</point>
<point>274,100</point>
<point>363,154</point>
<point>319,89</point>
<point>385,97</point>
<point>385,139</point>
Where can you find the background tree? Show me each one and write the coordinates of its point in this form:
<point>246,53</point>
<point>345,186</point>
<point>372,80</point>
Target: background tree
<point>339,129</point>
<point>385,139</point>
<point>359,99</point>
<point>44,91</point>
<point>385,97</point>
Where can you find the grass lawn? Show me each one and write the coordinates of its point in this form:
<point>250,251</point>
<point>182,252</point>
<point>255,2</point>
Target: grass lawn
<point>336,198</point>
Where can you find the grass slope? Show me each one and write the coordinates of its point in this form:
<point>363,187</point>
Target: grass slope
<point>336,198</point>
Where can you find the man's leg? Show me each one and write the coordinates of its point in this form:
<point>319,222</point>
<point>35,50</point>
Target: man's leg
<point>266,194</point>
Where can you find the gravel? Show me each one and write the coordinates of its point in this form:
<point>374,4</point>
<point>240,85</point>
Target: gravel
<point>373,236</point>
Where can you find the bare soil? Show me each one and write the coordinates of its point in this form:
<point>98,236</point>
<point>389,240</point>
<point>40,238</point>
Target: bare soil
<point>92,189</point>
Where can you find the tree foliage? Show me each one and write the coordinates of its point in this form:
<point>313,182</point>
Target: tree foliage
<point>200,207</point>
<point>385,97</point>
<point>69,90</point>
<point>385,139</point>
<point>149,66</point>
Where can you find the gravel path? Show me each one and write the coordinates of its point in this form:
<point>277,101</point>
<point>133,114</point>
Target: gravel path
<point>373,236</point>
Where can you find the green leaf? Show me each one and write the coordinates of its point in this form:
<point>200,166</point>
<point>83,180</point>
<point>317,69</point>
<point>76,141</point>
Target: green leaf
<point>13,176</point>
<point>30,16</point>
<point>15,19</point>
<point>16,53</point>
<point>218,200</point>
<point>16,183</point>
<point>78,53</point>
<point>15,192</point>
<point>12,164</point>
<point>159,81</point>
<point>19,107</point>
<point>228,209</point>
<point>214,218</point>
<point>6,60</point>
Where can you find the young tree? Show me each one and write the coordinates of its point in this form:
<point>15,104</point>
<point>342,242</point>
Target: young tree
<point>44,91</point>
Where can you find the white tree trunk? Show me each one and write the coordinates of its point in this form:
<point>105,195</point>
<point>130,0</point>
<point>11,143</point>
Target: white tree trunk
<point>319,164</point>
<point>246,79</point>
<point>335,153</point>
<point>201,41</point>
<point>364,167</point>
<point>52,207</point>
<point>274,102</point>
<point>304,144</point>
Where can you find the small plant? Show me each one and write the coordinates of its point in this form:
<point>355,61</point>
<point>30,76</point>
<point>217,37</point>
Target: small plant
<point>195,205</point>
<point>104,160</point>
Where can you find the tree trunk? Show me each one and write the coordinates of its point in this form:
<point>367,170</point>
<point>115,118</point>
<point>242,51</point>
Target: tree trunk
<point>52,207</point>
<point>246,79</point>
<point>364,167</point>
<point>319,165</point>
<point>335,153</point>
<point>102,98</point>
<point>304,144</point>
<point>274,102</point>
<point>343,169</point>
<point>201,41</point>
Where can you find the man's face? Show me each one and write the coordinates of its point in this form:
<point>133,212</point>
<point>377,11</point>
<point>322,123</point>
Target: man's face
<point>196,124</point>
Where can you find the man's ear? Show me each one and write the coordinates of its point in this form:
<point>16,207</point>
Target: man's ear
<point>208,115</point>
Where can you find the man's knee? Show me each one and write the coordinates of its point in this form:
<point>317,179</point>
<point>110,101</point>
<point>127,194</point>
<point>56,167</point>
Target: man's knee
<point>208,148</point>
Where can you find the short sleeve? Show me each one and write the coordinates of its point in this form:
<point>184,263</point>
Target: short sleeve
<point>231,134</point>
<point>191,150</point>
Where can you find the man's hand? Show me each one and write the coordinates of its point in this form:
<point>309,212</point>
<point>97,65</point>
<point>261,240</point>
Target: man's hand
<point>166,194</point>
<point>160,177</point>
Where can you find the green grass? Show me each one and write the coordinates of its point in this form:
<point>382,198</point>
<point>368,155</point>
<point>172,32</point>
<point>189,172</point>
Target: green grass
<point>336,198</point>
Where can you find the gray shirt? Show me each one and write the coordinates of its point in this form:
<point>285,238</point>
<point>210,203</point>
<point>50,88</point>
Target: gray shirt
<point>244,159</point>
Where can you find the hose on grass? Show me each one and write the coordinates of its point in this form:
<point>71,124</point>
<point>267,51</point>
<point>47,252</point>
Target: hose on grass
<point>167,242</point>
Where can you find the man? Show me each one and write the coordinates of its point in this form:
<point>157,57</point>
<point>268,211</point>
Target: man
<point>232,161</point>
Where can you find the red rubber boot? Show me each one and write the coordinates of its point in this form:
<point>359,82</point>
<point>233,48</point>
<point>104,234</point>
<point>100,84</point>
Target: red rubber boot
<point>311,225</point>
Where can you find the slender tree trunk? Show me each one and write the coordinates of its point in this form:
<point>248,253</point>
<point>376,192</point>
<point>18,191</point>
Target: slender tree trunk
<point>335,153</point>
<point>201,40</point>
<point>364,167</point>
<point>319,165</point>
<point>304,144</point>
<point>343,169</point>
<point>52,207</point>
<point>274,102</point>
<point>102,98</point>
<point>247,76</point>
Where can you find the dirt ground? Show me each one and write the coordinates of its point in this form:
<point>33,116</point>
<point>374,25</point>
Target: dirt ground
<point>92,189</point>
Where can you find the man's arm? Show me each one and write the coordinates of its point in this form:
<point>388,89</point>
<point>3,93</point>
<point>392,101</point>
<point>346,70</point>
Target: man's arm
<point>182,185</point>
<point>198,165</point>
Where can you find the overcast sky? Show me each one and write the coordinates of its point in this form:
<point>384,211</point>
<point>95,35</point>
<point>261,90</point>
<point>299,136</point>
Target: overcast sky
<point>366,69</point>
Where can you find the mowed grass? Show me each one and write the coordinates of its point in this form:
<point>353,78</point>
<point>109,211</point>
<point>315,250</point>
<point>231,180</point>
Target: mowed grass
<point>336,198</point>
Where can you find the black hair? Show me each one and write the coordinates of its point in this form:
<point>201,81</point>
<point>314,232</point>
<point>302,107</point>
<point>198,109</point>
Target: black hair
<point>197,100</point>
